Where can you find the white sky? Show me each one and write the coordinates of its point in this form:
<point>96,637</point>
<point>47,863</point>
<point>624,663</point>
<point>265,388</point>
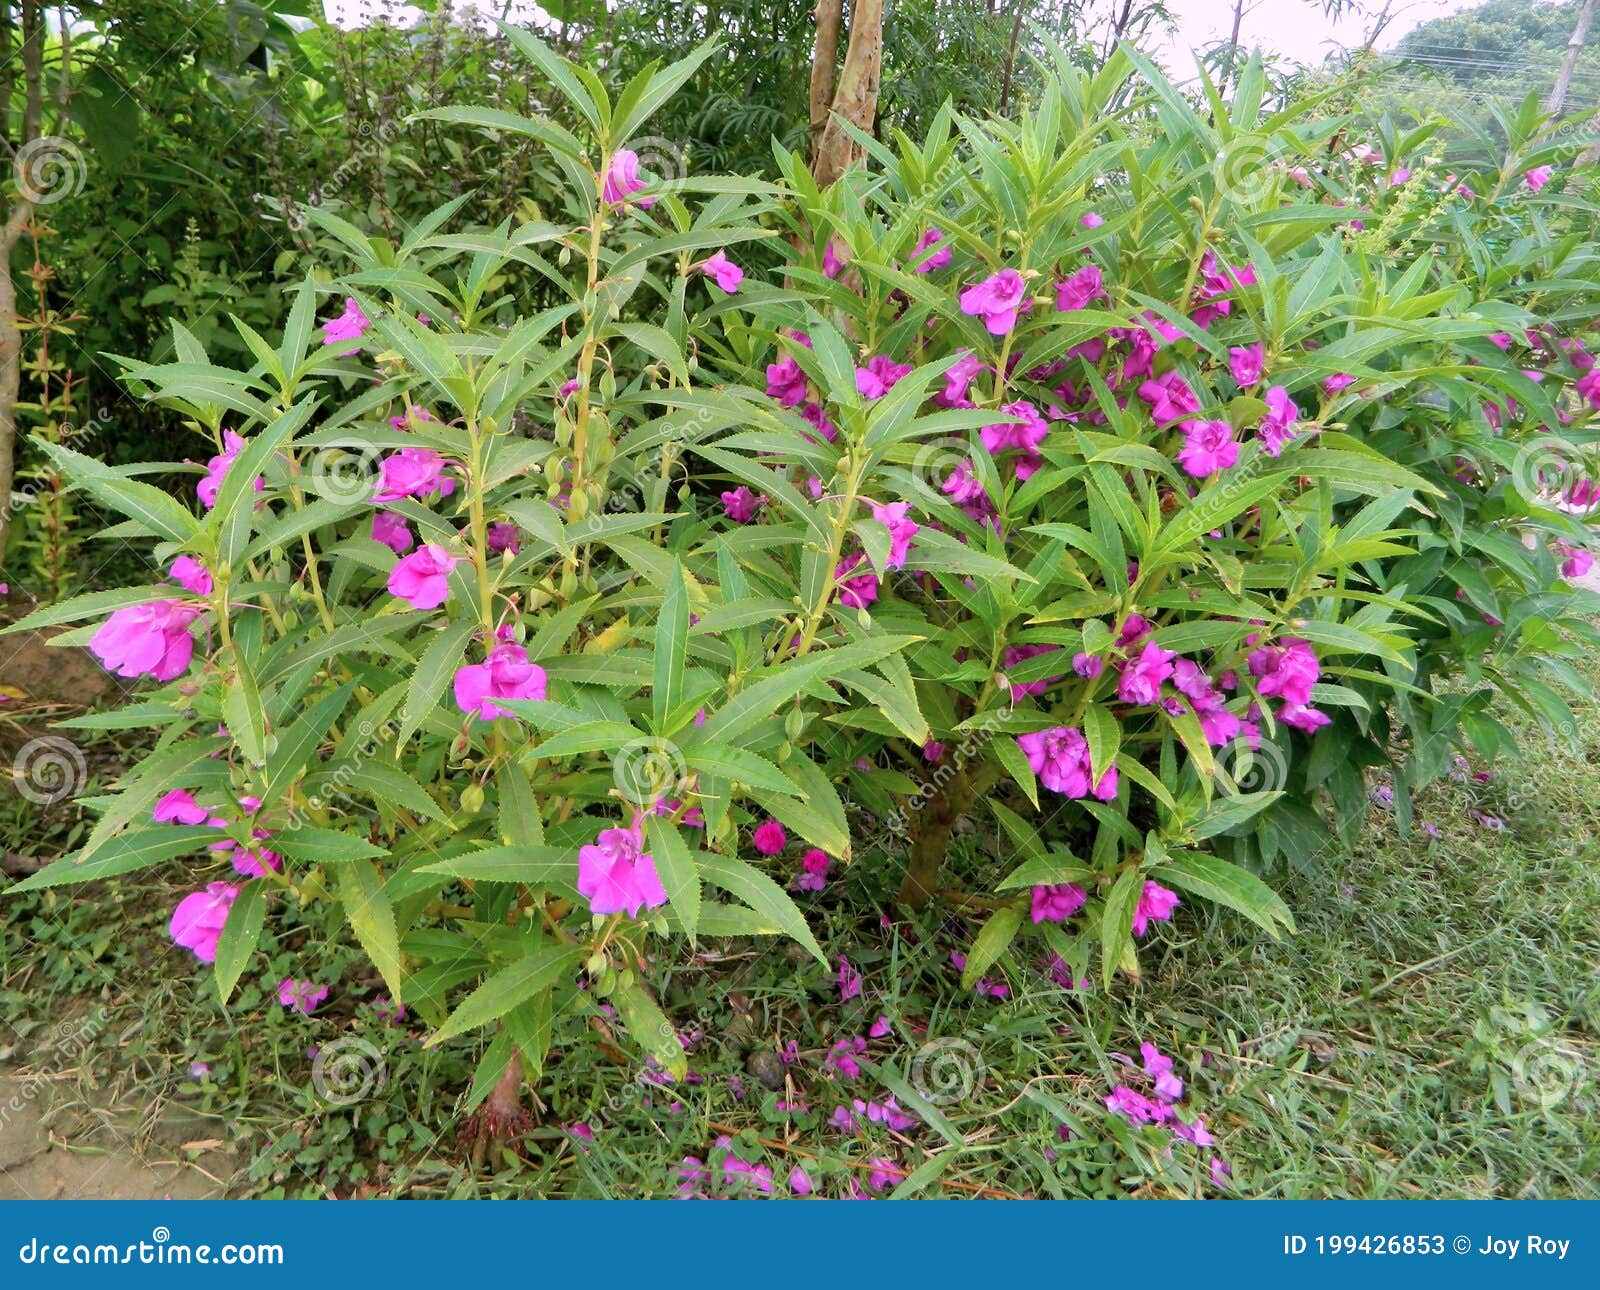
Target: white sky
<point>1294,28</point>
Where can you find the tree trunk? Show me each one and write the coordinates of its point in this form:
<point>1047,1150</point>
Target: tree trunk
<point>1011,56</point>
<point>855,99</point>
<point>10,363</point>
<point>31,49</point>
<point>1580,33</point>
<point>824,68</point>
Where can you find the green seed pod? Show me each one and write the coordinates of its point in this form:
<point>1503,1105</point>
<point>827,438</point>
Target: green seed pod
<point>785,749</point>
<point>794,723</point>
<point>472,798</point>
<point>578,506</point>
<point>596,964</point>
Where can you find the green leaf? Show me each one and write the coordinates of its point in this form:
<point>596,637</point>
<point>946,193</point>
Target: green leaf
<point>750,885</point>
<point>650,1028</point>
<point>675,866</point>
<point>535,865</point>
<point>1047,871</point>
<point>320,846</point>
<point>432,676</point>
<point>520,821</point>
<point>1104,733</point>
<point>240,936</point>
<point>509,987</point>
<point>242,712</point>
<point>672,647</point>
<point>126,853</point>
<point>1227,884</point>
<point>371,917</point>
<point>742,766</point>
<point>993,940</point>
<point>1116,923</point>
<point>1021,833</point>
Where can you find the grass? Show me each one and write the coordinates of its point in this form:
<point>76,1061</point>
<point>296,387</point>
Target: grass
<point>1432,1030</point>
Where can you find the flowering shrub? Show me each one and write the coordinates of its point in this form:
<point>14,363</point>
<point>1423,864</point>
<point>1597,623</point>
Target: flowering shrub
<point>1127,481</point>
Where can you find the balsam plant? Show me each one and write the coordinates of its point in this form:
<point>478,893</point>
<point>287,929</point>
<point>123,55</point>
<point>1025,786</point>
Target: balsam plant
<point>1094,476</point>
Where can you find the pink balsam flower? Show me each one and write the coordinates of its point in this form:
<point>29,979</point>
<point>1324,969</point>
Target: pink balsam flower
<point>505,674</point>
<point>151,639</point>
<point>422,579</point>
<point>617,876</point>
<point>723,271</point>
<point>412,472</point>
<point>998,299</point>
<point>198,920</point>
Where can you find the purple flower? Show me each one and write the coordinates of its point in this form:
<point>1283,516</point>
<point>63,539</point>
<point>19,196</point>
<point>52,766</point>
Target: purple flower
<point>352,324</point>
<point>422,579</point>
<point>217,469</point>
<point>1058,902</point>
<point>1538,177</point>
<point>880,375</point>
<point>856,590</point>
<point>1245,362</point>
<point>198,920</point>
<point>393,532</point>
<point>151,639</point>
<point>502,537</point>
<point>505,674</point>
<point>742,505</point>
<point>302,996</point>
<point>412,472</point>
<point>1025,433</point>
<point>1060,758</point>
<point>1156,904</point>
<point>1081,289</point>
<point>769,838</point>
<point>1208,446</point>
<point>616,875</point>
<point>939,259</point>
<point>1087,666</point>
<point>813,875</point>
<point>1286,671</point>
<point>191,575</point>
<point>895,516</point>
<point>179,807</point>
<point>622,179</point>
<point>849,983</point>
<point>1142,678</point>
<point>1278,426</point>
<point>786,382</point>
<point>842,1056</point>
<point>997,300</point>
<point>723,271</point>
<point>1169,1088</point>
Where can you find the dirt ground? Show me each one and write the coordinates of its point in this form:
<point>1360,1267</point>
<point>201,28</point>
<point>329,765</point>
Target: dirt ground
<point>53,1147</point>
